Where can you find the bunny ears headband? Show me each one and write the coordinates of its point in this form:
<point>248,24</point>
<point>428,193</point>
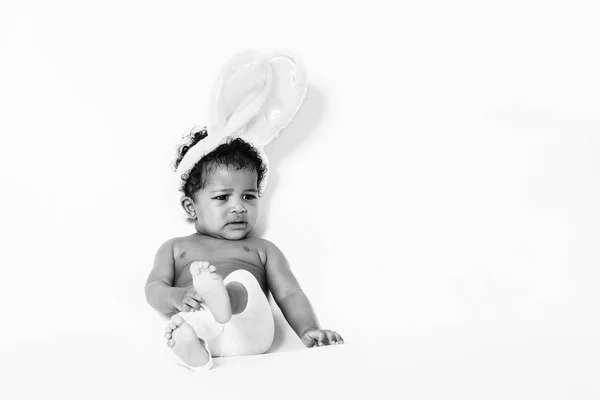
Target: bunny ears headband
<point>254,97</point>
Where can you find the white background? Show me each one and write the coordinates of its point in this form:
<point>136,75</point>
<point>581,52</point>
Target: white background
<point>438,188</point>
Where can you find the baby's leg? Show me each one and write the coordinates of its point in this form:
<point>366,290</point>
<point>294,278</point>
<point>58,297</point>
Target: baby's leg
<point>222,300</point>
<point>182,338</point>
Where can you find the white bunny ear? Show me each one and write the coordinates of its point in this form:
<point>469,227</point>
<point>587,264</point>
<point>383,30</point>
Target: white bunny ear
<point>239,92</point>
<point>256,95</point>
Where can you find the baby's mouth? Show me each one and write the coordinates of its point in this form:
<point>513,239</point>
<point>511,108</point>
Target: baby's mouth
<point>238,223</point>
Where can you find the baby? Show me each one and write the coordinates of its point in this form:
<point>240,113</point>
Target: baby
<point>217,280</point>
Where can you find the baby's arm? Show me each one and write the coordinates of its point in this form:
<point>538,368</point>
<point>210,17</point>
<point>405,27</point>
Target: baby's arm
<point>292,300</point>
<point>160,293</point>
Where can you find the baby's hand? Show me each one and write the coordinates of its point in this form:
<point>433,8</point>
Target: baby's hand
<point>321,337</point>
<point>186,299</point>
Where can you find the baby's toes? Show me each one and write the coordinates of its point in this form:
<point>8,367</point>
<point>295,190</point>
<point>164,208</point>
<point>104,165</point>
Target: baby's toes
<point>207,268</point>
<point>195,268</point>
<point>177,320</point>
<point>170,343</point>
<point>204,265</point>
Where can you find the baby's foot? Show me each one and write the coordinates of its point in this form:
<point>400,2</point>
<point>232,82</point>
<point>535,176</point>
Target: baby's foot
<point>212,289</point>
<point>182,338</point>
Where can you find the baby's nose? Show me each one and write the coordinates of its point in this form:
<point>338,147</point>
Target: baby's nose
<point>239,207</point>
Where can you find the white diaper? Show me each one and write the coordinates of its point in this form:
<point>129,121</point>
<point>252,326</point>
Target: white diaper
<point>249,332</point>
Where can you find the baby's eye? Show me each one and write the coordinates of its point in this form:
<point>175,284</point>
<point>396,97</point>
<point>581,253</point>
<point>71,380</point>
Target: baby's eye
<point>249,197</point>
<point>222,197</point>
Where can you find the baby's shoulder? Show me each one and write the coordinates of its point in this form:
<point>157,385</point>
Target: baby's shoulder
<point>260,243</point>
<point>178,245</point>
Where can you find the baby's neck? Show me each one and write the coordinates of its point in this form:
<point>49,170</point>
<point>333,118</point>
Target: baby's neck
<point>209,236</point>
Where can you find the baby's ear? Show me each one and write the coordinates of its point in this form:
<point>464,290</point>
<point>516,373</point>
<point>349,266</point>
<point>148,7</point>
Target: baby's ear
<point>188,206</point>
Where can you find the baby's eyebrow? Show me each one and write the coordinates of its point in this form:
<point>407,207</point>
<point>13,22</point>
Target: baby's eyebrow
<point>229,190</point>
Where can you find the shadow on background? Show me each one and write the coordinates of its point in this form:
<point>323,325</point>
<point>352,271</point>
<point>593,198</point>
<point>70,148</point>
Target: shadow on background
<point>304,123</point>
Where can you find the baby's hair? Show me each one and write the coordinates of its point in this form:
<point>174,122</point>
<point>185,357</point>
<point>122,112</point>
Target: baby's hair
<point>235,153</point>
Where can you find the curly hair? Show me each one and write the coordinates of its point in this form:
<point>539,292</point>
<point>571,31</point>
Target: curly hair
<point>235,153</point>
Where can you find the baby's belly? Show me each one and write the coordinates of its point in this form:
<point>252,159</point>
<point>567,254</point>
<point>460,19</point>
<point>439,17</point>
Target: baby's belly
<point>224,268</point>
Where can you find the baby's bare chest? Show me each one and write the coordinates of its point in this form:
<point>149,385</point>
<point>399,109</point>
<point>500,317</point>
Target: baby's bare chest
<point>226,257</point>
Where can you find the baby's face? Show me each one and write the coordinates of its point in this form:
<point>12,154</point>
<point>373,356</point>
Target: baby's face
<point>227,207</point>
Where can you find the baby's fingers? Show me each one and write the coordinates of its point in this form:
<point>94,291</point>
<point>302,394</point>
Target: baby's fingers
<point>308,340</point>
<point>338,338</point>
<point>192,303</point>
<point>330,336</point>
<point>184,307</point>
<point>319,337</point>
<point>194,295</point>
